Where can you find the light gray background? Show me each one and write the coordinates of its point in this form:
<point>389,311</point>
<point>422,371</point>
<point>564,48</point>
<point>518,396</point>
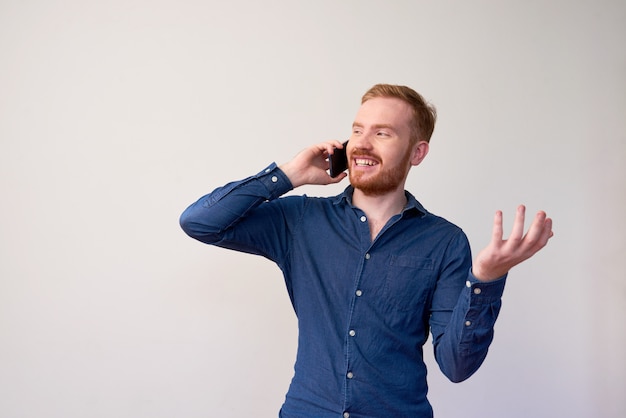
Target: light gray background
<point>115,115</point>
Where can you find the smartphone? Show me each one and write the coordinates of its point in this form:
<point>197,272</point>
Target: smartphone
<point>338,161</point>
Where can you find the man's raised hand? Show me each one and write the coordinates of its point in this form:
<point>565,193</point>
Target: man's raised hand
<point>497,258</point>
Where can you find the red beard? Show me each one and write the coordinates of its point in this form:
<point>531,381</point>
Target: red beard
<point>385,181</point>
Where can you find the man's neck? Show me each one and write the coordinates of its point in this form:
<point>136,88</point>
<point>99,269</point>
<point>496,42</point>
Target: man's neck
<point>380,208</point>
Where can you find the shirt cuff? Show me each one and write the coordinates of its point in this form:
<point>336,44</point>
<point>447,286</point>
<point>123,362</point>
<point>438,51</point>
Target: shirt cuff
<point>275,181</point>
<point>485,292</point>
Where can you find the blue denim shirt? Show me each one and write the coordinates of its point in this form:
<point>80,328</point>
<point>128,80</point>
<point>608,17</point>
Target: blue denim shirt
<point>364,308</point>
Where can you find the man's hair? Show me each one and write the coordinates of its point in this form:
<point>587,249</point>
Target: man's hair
<point>424,113</point>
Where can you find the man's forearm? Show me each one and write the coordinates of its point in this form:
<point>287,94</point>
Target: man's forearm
<point>462,348</point>
<point>209,217</point>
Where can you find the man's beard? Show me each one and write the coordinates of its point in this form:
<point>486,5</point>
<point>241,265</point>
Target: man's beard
<point>382,183</point>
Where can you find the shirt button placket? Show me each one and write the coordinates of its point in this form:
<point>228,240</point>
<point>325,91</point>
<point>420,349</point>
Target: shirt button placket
<point>352,332</point>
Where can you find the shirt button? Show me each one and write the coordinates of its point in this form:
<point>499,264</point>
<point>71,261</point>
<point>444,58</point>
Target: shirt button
<point>468,323</point>
<point>468,284</point>
<point>267,170</point>
<point>367,256</point>
<point>363,218</point>
<point>350,375</point>
<point>477,291</point>
<point>352,333</point>
<point>274,179</point>
<point>346,415</point>
<point>359,292</point>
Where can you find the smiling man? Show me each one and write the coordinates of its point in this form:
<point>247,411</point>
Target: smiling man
<point>369,272</point>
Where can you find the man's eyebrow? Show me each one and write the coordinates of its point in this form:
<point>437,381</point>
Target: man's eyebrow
<point>376,126</point>
<point>383,126</point>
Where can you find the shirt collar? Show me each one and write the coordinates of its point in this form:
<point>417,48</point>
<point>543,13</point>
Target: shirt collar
<point>412,204</point>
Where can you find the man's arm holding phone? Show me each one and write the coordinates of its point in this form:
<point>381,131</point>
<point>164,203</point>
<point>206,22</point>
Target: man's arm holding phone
<point>206,220</point>
<point>213,219</point>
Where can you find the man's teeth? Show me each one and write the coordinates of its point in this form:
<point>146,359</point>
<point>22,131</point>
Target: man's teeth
<point>360,161</point>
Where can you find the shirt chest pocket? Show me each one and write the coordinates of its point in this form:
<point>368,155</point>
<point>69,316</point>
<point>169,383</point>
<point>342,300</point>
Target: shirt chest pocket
<point>408,282</point>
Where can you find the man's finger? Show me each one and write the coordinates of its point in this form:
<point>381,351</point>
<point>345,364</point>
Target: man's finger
<point>543,231</point>
<point>496,234</point>
<point>518,224</point>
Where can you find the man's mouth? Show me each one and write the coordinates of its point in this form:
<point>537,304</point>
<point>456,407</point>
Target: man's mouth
<point>364,162</point>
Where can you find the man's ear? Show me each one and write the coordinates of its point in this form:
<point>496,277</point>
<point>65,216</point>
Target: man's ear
<point>420,150</point>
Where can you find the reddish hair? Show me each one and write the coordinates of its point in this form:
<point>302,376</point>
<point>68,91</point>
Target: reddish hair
<point>424,113</point>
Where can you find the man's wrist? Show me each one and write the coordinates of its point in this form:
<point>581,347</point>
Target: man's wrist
<point>291,173</point>
<point>486,276</point>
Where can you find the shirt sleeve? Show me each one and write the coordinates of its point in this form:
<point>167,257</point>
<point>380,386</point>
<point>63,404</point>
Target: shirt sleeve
<point>463,333</point>
<point>213,217</point>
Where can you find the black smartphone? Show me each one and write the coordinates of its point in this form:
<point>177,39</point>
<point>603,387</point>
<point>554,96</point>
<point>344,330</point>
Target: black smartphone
<point>338,161</point>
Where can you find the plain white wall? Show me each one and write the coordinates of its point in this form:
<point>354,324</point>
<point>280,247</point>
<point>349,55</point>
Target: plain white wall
<point>115,115</point>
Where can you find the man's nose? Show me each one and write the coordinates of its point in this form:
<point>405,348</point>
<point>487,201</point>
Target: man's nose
<point>361,141</point>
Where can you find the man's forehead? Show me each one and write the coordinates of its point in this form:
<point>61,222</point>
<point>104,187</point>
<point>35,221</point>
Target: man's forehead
<point>384,111</point>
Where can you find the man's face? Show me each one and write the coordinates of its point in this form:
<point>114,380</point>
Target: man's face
<point>379,148</point>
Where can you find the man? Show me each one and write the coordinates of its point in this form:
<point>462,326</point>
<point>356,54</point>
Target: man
<point>370,271</point>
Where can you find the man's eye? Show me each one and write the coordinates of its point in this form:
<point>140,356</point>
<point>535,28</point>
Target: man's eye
<point>383,134</point>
